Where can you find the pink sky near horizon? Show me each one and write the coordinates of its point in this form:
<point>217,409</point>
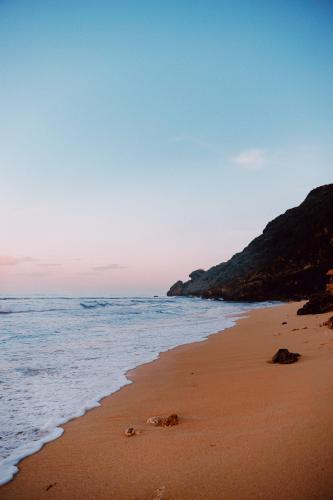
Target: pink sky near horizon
<point>148,272</point>
<point>117,246</point>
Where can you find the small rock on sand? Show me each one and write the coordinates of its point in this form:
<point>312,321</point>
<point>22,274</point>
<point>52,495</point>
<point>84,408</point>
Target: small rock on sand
<point>284,357</point>
<point>164,421</point>
<point>130,431</point>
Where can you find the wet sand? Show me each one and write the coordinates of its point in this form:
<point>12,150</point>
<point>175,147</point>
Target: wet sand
<point>248,429</point>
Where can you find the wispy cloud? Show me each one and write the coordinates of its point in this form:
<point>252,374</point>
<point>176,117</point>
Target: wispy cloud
<point>8,260</point>
<point>34,274</point>
<point>194,141</point>
<point>108,267</point>
<point>49,264</point>
<point>251,159</point>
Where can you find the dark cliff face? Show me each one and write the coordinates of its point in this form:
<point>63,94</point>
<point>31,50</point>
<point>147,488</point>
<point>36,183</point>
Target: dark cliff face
<point>289,260</point>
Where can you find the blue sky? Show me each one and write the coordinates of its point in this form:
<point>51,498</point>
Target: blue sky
<point>146,139</point>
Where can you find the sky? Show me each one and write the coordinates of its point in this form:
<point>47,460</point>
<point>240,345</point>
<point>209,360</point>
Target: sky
<point>142,140</point>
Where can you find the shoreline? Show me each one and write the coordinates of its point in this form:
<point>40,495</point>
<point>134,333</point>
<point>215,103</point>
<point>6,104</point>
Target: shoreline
<point>190,380</point>
<point>57,431</point>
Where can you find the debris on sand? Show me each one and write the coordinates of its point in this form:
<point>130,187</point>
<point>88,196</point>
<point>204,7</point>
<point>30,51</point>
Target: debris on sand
<point>329,323</point>
<point>50,486</point>
<point>159,493</point>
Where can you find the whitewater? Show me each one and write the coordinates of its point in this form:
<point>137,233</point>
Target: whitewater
<point>60,356</point>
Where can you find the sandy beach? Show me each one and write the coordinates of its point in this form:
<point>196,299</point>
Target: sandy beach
<point>248,428</point>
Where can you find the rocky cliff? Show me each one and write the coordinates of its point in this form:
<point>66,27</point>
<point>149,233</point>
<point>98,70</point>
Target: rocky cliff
<point>289,260</point>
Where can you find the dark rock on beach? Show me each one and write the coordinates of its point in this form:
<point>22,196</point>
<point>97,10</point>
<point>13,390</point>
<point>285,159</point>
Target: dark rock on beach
<point>284,357</point>
<point>319,303</point>
<point>288,261</point>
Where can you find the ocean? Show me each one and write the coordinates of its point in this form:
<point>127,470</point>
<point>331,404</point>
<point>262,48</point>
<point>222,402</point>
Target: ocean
<point>60,356</point>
